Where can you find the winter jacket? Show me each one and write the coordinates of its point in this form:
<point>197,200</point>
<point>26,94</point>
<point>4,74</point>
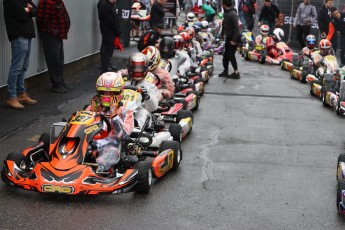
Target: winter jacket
<point>269,14</point>
<point>305,15</point>
<point>53,18</point>
<point>109,22</point>
<point>230,26</point>
<point>157,14</point>
<point>323,19</point>
<point>18,22</point>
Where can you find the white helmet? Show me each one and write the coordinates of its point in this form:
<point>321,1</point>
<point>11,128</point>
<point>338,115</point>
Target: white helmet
<point>190,16</point>
<point>204,24</point>
<point>279,33</point>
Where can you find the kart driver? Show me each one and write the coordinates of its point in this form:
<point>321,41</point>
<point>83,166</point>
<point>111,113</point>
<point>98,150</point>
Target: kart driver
<point>271,43</point>
<point>325,47</point>
<point>166,86</point>
<point>137,70</point>
<point>109,88</point>
<point>180,60</point>
<point>261,38</point>
<point>310,48</point>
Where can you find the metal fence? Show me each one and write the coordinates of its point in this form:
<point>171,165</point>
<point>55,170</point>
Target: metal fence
<point>83,38</point>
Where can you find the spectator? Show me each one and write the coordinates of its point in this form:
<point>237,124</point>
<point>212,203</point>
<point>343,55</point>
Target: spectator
<point>52,33</point>
<point>188,4</point>
<point>231,31</point>
<point>323,20</point>
<point>157,13</point>
<point>20,30</point>
<point>150,38</point>
<point>269,15</point>
<point>110,29</point>
<point>240,12</point>
<point>304,19</point>
<point>137,5</point>
<point>338,24</point>
<point>209,11</point>
<point>248,14</point>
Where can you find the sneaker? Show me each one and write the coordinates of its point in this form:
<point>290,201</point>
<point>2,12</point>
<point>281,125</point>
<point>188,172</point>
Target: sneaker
<point>14,104</point>
<point>67,87</point>
<point>234,75</point>
<point>223,74</point>
<point>60,89</point>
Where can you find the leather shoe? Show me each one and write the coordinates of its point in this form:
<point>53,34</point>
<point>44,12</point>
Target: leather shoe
<point>223,74</point>
<point>24,98</point>
<point>60,89</point>
<point>14,104</point>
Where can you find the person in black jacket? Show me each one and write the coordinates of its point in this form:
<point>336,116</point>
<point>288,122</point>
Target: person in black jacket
<point>338,24</point>
<point>110,28</point>
<point>157,13</point>
<point>231,31</point>
<point>269,15</point>
<point>323,20</point>
<point>248,13</point>
<point>150,38</point>
<point>20,30</point>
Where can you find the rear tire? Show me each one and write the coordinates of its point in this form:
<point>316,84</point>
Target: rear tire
<point>176,132</point>
<point>341,187</point>
<point>184,114</point>
<point>175,146</point>
<point>262,59</point>
<point>18,158</point>
<point>144,177</point>
<point>304,75</point>
<point>323,98</point>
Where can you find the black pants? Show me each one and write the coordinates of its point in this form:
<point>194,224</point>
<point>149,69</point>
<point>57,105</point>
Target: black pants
<point>334,42</point>
<point>107,49</point>
<point>54,55</point>
<point>302,33</point>
<point>210,17</point>
<point>229,56</point>
<point>249,21</point>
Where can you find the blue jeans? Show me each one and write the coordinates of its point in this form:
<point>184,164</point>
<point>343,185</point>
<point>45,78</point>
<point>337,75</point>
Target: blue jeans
<point>20,48</point>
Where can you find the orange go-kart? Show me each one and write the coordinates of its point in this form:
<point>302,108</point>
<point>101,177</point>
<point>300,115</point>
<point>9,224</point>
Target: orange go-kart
<point>64,162</point>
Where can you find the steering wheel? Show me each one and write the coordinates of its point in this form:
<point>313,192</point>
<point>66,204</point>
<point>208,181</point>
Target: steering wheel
<point>103,133</point>
<point>138,89</point>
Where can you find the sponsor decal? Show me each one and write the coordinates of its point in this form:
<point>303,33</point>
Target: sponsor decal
<point>125,13</point>
<point>57,189</point>
<point>91,129</point>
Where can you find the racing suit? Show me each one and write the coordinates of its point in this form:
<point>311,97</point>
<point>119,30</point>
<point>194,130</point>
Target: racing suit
<point>149,105</point>
<point>179,64</point>
<point>166,86</point>
<point>122,124</point>
<point>271,47</point>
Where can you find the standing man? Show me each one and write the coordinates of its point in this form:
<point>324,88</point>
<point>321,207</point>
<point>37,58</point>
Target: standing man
<point>248,13</point>
<point>323,20</point>
<point>109,24</point>
<point>53,23</point>
<point>20,30</point>
<point>338,24</point>
<point>157,13</point>
<point>231,31</point>
<point>304,19</point>
<point>269,15</point>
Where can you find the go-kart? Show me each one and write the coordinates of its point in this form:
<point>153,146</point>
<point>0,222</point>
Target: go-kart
<point>300,67</point>
<point>247,42</point>
<point>340,106</point>
<point>260,54</point>
<point>179,111</point>
<point>341,184</point>
<point>330,91</point>
<point>63,162</point>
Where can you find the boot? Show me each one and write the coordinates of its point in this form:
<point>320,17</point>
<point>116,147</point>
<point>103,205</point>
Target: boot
<point>223,74</point>
<point>24,98</point>
<point>14,104</point>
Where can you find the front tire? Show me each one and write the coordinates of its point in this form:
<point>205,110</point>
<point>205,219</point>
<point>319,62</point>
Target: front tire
<point>341,187</point>
<point>176,132</point>
<point>144,177</point>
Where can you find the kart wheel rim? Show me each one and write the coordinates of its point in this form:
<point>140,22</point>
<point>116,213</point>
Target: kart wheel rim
<point>178,155</point>
<point>149,179</point>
